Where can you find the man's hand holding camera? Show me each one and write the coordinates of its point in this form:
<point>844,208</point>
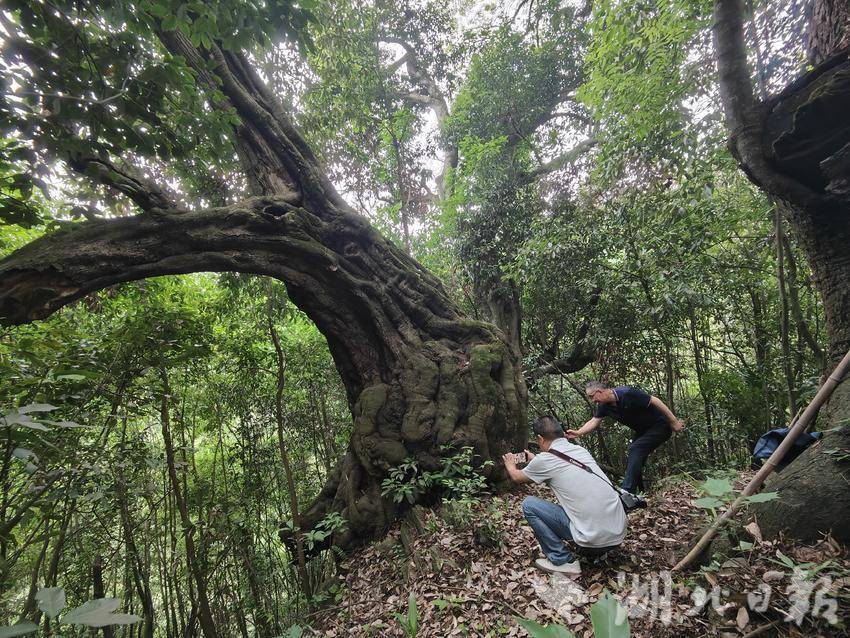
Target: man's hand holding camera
<point>511,460</point>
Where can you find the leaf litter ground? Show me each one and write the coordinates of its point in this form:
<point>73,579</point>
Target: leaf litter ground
<point>466,586</point>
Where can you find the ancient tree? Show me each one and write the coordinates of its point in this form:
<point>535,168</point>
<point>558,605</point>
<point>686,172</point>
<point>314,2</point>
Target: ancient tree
<point>795,146</point>
<point>418,373</point>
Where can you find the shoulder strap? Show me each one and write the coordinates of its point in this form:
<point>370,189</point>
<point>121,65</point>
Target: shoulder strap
<point>581,465</point>
<point>570,459</point>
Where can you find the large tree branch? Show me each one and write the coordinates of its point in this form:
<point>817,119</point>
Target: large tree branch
<point>559,162</point>
<point>57,269</point>
<point>395,66</point>
<point>744,114</point>
<point>578,359</point>
<point>278,152</point>
<point>582,353</point>
<point>434,99</point>
<point>144,193</point>
<point>337,269</point>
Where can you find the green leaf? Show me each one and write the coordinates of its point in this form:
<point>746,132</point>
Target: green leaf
<point>159,10</point>
<point>36,407</point>
<point>98,613</point>
<point>762,497</point>
<point>20,629</point>
<point>708,502</point>
<point>785,560</point>
<point>23,453</point>
<point>24,420</point>
<point>412,615</point>
<point>745,546</point>
<point>536,630</point>
<point>51,600</point>
<point>609,618</point>
<point>169,23</point>
<point>717,487</point>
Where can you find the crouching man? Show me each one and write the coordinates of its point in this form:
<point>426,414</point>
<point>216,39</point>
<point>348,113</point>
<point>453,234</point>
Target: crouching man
<point>589,511</point>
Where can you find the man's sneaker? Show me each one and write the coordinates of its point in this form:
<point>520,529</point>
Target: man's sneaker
<point>567,568</point>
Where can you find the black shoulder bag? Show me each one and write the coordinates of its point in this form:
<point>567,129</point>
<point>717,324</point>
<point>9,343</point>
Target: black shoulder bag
<point>630,501</point>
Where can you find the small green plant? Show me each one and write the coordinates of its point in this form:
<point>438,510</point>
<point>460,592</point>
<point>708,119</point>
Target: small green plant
<point>711,568</point>
<point>328,526</point>
<point>410,621</point>
<point>447,603</point>
<point>405,482</point>
<point>294,631</point>
<point>459,513</point>
<point>332,593</point>
<point>720,492</point>
<point>608,617</point>
<point>432,524</point>
<point>487,529</point>
<point>457,478</point>
<point>808,570</point>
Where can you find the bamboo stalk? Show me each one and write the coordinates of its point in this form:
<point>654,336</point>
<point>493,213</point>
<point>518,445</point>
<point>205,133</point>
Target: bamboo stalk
<point>797,427</point>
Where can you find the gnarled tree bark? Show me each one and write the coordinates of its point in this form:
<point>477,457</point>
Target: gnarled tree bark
<point>796,147</point>
<point>418,373</point>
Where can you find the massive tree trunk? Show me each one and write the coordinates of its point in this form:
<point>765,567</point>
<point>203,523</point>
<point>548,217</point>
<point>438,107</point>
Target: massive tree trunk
<point>418,373</point>
<point>796,147</point>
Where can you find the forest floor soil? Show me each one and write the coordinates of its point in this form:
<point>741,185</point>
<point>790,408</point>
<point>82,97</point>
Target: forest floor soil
<point>464,586</point>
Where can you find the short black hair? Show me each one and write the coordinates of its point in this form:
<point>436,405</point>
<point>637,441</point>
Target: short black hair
<point>548,427</point>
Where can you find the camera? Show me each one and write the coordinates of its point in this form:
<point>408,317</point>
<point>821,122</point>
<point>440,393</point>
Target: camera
<point>631,501</point>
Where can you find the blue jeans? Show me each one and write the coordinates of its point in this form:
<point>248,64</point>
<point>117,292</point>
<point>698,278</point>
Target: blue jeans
<point>639,450</point>
<point>551,526</point>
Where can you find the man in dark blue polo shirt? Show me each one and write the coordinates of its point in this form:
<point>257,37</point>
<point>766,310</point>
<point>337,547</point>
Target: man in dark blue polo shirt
<point>652,421</point>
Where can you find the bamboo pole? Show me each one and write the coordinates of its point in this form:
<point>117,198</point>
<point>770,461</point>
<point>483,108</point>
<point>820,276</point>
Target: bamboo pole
<point>797,427</point>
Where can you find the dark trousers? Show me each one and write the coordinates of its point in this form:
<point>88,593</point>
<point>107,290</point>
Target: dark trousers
<point>639,450</point>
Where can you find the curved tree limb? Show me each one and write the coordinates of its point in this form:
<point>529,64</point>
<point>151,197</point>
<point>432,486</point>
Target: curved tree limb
<point>434,98</point>
<point>559,162</point>
<point>144,193</point>
<point>745,116</point>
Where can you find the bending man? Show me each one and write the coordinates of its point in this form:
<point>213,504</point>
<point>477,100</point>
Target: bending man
<point>589,511</point>
<point>652,421</point>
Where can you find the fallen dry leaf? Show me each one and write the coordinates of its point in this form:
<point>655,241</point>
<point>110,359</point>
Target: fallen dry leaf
<point>743,618</point>
<point>755,531</point>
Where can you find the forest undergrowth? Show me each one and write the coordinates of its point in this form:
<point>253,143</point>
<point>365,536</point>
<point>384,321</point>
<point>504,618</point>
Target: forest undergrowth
<point>478,579</point>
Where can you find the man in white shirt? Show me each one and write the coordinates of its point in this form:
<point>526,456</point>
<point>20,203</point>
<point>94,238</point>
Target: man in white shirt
<point>589,511</point>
